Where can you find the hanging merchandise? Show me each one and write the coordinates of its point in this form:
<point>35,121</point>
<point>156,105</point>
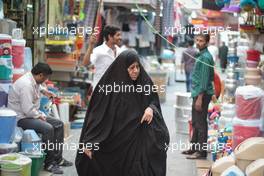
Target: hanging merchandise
<point>18,53</point>
<point>221,3</point>
<point>168,16</point>
<point>261,4</point>
<point>231,7</point>
<point>1,9</point>
<point>90,8</point>
<point>81,14</point>
<point>247,5</point>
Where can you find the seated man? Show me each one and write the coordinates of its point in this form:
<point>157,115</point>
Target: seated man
<point>24,99</point>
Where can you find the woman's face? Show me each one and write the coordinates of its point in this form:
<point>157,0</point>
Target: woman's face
<point>133,71</point>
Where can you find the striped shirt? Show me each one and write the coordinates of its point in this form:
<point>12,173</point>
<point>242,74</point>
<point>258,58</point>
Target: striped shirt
<point>203,75</point>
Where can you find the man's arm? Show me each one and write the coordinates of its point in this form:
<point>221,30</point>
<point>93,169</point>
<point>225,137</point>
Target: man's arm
<point>87,56</point>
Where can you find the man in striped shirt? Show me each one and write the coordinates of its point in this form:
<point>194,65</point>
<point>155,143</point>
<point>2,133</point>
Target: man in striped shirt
<point>202,91</point>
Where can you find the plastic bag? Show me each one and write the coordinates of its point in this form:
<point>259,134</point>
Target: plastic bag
<point>249,102</point>
<point>244,129</point>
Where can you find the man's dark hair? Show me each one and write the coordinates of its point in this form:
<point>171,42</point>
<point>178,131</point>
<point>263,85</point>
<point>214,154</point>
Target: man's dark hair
<point>41,68</point>
<point>110,30</point>
<point>190,43</point>
<point>205,36</point>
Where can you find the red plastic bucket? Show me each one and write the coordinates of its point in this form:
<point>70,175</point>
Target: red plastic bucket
<point>253,55</point>
<point>18,52</point>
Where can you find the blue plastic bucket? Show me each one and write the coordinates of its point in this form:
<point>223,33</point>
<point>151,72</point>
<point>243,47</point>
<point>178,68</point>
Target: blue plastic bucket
<point>6,67</point>
<point>44,103</point>
<point>7,125</point>
<point>232,59</point>
<point>30,141</point>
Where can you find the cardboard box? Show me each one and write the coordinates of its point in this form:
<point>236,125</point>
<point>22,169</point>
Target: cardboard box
<point>67,129</point>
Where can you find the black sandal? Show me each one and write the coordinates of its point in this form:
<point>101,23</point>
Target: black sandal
<point>188,152</point>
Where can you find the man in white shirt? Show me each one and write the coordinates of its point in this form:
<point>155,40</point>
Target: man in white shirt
<point>24,99</point>
<point>104,55</point>
<point>213,51</point>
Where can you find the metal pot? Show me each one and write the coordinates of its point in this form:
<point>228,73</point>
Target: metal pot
<point>231,75</point>
<point>183,99</point>
<point>231,81</point>
<point>232,51</point>
<point>232,45</point>
<point>231,87</point>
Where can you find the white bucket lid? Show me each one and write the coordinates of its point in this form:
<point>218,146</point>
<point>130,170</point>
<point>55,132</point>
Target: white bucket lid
<point>19,159</point>
<point>18,42</point>
<point>5,36</point>
<point>18,71</point>
<point>7,112</point>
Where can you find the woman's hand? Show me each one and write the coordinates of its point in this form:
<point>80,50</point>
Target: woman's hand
<point>88,153</point>
<point>148,115</point>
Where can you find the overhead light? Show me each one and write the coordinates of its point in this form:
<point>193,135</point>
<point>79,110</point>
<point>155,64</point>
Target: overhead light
<point>141,10</point>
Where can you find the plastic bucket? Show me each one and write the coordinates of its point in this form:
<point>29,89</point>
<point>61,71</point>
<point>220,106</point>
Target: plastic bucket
<point>8,148</point>
<point>253,55</point>
<point>30,141</point>
<point>8,123</point>
<point>6,67</point>
<point>37,162</point>
<point>44,105</point>
<point>232,59</point>
<point>5,44</point>
<point>17,159</point>
<point>18,54</point>
<point>11,170</point>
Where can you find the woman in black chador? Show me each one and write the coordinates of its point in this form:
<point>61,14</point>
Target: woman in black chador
<point>124,126</point>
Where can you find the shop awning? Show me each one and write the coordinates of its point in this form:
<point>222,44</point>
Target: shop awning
<point>148,4</point>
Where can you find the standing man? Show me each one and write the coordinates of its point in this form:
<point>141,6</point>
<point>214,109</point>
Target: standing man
<point>202,91</point>
<point>223,51</point>
<point>24,99</point>
<point>188,62</point>
<point>104,55</point>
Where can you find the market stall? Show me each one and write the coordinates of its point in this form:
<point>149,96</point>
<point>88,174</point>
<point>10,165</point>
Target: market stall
<point>236,121</point>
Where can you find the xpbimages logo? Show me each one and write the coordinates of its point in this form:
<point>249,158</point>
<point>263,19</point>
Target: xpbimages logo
<point>124,88</point>
<point>50,146</point>
<point>58,29</point>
